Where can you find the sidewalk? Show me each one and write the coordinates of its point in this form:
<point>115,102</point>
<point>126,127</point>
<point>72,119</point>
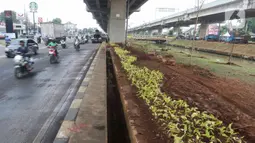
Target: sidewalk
<point>86,120</point>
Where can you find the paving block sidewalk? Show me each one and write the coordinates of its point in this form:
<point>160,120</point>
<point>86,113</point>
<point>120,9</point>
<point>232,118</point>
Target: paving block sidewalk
<point>86,120</point>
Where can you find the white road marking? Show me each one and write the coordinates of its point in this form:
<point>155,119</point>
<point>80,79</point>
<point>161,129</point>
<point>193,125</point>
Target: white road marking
<point>2,56</point>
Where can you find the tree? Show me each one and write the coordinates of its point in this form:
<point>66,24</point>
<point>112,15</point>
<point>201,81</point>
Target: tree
<point>14,18</point>
<point>57,21</point>
<point>199,6</point>
<point>91,30</point>
<point>223,29</point>
<point>170,33</point>
<point>251,25</point>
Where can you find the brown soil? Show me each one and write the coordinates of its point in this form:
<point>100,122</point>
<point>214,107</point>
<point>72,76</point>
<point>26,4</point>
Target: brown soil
<point>230,100</point>
<point>141,122</point>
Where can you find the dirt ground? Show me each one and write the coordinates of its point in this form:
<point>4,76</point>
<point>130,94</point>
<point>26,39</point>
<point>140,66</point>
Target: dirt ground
<point>142,123</point>
<point>230,100</point>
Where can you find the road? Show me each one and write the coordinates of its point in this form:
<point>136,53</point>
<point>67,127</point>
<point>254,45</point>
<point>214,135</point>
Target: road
<point>26,104</point>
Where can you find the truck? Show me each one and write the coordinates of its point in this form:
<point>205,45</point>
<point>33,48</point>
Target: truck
<point>53,30</point>
<point>238,39</point>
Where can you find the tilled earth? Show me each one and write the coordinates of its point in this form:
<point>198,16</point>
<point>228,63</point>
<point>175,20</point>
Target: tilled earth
<point>228,99</point>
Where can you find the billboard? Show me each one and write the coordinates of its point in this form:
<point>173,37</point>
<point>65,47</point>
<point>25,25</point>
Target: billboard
<point>20,16</point>
<point>165,9</point>
<point>213,29</point>
<point>8,21</point>
<point>40,20</point>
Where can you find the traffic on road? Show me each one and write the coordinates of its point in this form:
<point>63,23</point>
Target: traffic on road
<point>39,76</point>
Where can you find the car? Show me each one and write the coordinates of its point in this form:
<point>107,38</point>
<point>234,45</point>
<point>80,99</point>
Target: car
<point>27,36</point>
<point>14,45</point>
<point>97,37</point>
<point>96,40</point>
<point>84,41</point>
<point>180,37</point>
<point>212,37</point>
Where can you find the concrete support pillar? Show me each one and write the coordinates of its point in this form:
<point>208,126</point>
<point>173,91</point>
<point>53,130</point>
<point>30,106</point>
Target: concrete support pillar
<point>149,32</point>
<point>203,30</point>
<point>160,31</point>
<point>117,21</point>
<point>176,31</point>
<point>108,28</point>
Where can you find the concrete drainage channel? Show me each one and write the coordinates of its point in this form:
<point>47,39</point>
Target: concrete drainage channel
<point>117,128</point>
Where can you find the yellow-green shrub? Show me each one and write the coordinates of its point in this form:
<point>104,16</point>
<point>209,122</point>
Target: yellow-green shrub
<point>184,123</point>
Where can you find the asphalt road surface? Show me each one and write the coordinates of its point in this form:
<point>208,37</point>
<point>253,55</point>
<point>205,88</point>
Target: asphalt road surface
<point>26,104</point>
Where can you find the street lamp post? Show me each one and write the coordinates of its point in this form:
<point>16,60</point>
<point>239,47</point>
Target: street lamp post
<point>33,8</point>
<point>34,22</point>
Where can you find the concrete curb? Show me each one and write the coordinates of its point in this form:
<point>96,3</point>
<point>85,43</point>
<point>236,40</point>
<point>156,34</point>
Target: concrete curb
<point>64,104</point>
<point>68,123</point>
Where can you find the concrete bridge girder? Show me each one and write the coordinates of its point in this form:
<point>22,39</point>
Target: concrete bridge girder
<point>215,14</point>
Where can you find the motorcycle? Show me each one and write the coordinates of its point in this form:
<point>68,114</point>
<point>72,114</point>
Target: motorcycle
<point>39,40</point>
<point>23,65</point>
<point>7,44</point>
<point>77,45</point>
<point>63,44</point>
<point>53,55</point>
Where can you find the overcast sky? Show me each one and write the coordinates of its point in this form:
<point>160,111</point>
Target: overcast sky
<point>75,10</point>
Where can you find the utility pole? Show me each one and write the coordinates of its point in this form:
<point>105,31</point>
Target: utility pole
<point>195,29</point>
<point>33,8</point>
<point>26,19</point>
<point>34,22</point>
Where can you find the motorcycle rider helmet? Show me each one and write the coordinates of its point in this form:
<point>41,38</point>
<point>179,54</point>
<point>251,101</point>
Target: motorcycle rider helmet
<point>22,43</point>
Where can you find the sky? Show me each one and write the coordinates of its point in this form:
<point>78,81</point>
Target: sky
<point>75,10</point>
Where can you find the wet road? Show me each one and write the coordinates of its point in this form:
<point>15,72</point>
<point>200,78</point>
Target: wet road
<point>26,104</point>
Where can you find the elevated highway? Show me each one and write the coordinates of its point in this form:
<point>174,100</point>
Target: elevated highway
<point>111,15</point>
<point>213,12</point>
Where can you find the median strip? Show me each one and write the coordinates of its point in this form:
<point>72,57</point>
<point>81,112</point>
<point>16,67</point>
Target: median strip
<point>87,110</point>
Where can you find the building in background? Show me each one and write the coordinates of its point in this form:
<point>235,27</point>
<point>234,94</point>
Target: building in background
<point>18,28</point>
<point>70,29</point>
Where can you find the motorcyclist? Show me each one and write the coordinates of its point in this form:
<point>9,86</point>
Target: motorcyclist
<point>76,39</point>
<point>53,43</point>
<point>24,52</point>
<point>7,40</point>
<point>39,39</point>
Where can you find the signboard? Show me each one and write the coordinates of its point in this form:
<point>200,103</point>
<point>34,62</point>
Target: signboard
<point>33,6</point>
<point>8,14</point>
<point>10,35</point>
<point>40,20</point>
<point>8,21</point>
<point>213,29</point>
<point>20,16</point>
<point>2,23</point>
<point>166,9</point>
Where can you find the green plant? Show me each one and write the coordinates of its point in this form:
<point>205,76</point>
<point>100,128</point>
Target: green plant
<point>183,123</point>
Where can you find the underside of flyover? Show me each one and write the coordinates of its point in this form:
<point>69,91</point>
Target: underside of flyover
<point>111,15</point>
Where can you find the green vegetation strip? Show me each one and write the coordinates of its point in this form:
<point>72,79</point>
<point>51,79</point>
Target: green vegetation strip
<point>184,123</point>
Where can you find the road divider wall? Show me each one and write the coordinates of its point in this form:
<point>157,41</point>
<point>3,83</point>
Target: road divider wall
<point>84,114</point>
